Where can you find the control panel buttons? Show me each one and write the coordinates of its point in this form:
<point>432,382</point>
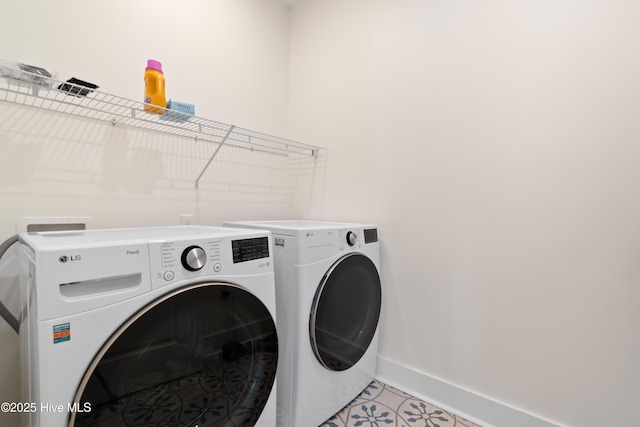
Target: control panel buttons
<point>217,267</point>
<point>352,238</point>
<point>168,276</point>
<point>193,258</point>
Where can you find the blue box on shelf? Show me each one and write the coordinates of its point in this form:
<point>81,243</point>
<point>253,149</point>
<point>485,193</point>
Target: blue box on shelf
<point>183,107</point>
<point>178,111</point>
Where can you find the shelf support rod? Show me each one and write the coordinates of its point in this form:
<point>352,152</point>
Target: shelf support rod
<point>215,153</point>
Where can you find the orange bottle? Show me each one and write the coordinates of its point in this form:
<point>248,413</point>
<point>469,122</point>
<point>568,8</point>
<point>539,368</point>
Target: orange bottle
<point>154,87</point>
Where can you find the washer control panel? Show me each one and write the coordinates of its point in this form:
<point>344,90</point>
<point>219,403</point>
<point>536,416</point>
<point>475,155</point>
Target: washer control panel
<point>176,255</point>
<point>172,261</point>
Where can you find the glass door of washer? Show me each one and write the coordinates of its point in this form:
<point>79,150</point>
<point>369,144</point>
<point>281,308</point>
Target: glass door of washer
<point>204,355</point>
<point>345,312</point>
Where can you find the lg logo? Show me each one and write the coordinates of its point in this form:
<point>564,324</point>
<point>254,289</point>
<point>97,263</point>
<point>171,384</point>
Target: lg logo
<point>65,258</point>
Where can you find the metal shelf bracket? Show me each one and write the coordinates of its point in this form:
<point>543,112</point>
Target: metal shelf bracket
<point>213,156</point>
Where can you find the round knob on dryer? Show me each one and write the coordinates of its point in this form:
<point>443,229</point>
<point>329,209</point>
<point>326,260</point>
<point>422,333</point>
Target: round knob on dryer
<point>193,258</point>
<point>352,238</point>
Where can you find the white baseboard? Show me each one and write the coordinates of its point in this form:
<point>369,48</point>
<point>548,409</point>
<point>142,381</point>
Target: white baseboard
<point>457,400</point>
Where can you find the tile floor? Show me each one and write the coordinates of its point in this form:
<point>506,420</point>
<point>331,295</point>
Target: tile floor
<point>382,405</point>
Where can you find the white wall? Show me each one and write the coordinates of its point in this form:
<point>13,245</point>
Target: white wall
<point>496,144</point>
<point>228,57</point>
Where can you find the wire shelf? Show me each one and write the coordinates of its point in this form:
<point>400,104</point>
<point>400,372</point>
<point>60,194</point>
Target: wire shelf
<point>34,90</point>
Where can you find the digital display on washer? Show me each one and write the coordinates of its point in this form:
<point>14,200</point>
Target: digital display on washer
<point>371,235</point>
<point>249,249</point>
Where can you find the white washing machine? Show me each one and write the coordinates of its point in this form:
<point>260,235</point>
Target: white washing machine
<point>171,326</point>
<point>328,298</point>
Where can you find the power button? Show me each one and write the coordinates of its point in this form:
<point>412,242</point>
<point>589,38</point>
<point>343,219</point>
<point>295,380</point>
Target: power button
<point>168,276</point>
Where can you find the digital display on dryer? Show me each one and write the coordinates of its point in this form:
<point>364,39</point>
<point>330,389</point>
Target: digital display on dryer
<point>250,249</point>
<point>371,235</point>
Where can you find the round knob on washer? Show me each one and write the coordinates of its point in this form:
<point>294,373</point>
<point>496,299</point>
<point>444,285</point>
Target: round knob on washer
<point>193,258</point>
<point>352,238</point>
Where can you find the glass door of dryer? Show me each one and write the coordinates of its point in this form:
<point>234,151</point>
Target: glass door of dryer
<point>205,355</point>
<point>345,312</point>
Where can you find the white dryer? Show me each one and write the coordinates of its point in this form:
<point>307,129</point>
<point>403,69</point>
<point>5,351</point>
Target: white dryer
<point>328,299</point>
<point>149,327</point>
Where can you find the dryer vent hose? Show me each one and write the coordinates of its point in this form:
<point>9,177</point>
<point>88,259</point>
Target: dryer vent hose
<point>4,311</point>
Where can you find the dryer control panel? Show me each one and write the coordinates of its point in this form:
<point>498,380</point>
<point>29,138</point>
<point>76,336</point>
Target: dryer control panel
<point>356,237</point>
<point>323,243</point>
